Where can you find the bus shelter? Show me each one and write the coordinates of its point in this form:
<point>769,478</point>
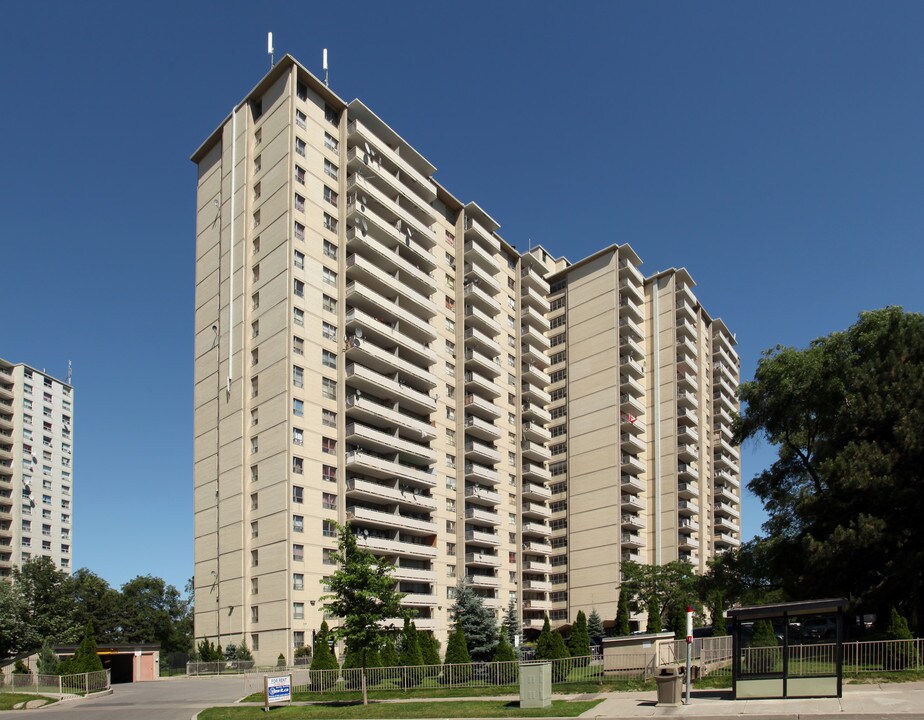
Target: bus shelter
<point>788,650</point>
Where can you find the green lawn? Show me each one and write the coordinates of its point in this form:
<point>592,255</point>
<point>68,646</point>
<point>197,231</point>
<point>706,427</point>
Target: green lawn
<point>8,700</point>
<point>462,709</point>
<point>612,684</point>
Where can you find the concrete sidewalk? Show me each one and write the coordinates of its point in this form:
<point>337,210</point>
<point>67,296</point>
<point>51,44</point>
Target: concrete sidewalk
<point>861,701</point>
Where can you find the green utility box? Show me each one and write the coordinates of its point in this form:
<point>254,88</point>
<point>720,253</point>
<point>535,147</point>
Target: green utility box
<point>536,685</point>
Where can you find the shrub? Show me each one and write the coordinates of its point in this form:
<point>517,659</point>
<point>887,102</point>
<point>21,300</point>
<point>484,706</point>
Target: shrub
<point>280,661</point>
<point>579,642</point>
<point>20,668</point>
<point>506,674</point>
<point>323,660</point>
<point>457,654</point>
<point>899,655</point>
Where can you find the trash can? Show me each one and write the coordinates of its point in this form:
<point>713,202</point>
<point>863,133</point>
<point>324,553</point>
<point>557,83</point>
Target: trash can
<point>670,685</point>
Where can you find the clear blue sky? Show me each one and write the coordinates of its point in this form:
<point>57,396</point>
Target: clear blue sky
<point>773,149</point>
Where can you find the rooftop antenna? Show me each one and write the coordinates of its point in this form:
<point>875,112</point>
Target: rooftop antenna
<point>324,64</point>
<point>269,48</point>
<point>70,373</point>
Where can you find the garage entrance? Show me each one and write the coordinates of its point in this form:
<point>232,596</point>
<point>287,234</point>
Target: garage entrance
<point>126,663</point>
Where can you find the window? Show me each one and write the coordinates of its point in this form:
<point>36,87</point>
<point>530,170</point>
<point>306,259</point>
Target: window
<point>329,388</point>
<point>299,260</point>
<point>298,523</point>
<point>254,444</point>
<point>328,304</point>
<point>450,392</point>
<point>299,288</point>
<point>327,556</point>
<point>257,191</point>
<point>298,345</point>
<point>328,275</point>
<point>330,222</point>
<point>298,317</point>
<point>450,436</point>
<point>558,448</point>
<point>254,558</point>
<point>298,376</point>
<point>298,468</point>
<point>450,369</point>
<point>328,418</point>
<point>451,549</point>
<point>559,339</point>
<point>254,473</point>
<point>256,218</point>
<point>257,164</point>
<point>330,142</point>
<point>254,641</point>
<point>298,494</point>
<point>255,301</point>
<point>254,329</point>
<point>559,412</point>
<point>450,325</point>
<point>328,446</point>
<point>450,571</point>
<point>328,331</point>
<point>330,250</point>
<point>330,169</point>
<point>450,282</point>
<point>300,146</point>
<point>328,473</point>
<point>298,610</point>
<point>329,528</point>
<point>558,375</point>
<point>330,196</point>
<point>298,553</point>
<point>254,529</point>
<point>559,393</point>
<point>298,581</point>
<point>256,245</point>
<point>329,501</point>
<point>558,357</point>
<point>298,436</point>
<point>330,114</point>
<point>301,90</point>
<point>299,175</point>
<point>301,119</point>
<point>450,348</point>
<point>299,203</point>
<point>450,412</point>
<point>255,612</point>
<point>298,408</point>
<point>450,460</point>
<point>450,526</point>
<point>450,303</point>
<point>558,430</point>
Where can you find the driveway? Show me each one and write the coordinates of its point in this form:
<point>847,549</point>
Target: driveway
<point>167,699</point>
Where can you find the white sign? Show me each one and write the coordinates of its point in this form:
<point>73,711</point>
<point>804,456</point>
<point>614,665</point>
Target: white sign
<point>277,689</point>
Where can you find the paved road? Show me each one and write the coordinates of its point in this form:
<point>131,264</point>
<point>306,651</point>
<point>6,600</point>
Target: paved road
<point>167,699</point>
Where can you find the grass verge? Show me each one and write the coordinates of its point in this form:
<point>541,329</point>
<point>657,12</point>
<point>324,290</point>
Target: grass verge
<point>9,700</point>
<point>349,711</point>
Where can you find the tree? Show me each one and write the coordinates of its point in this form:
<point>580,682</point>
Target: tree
<point>654,616</point>
<point>478,622</point>
<point>507,673</point>
<point>579,642</point>
<point>47,660</point>
<point>243,652</point>
<point>843,496</point>
<point>901,654</point>
<point>154,612</point>
<point>504,651</point>
<point>95,601</point>
<point>551,646</point>
<point>85,658</point>
<point>717,611</point>
<point>48,596</point>
<point>16,635</point>
<point>768,658</point>
<point>622,614</point>
<point>208,652</point>
<point>429,648</point>
<point>363,596</point>
<point>672,585</point>
<point>511,624</point>
<point>323,659</point>
<point>457,647</point>
<point>595,625</point>
<point>747,575</point>
<point>411,655</point>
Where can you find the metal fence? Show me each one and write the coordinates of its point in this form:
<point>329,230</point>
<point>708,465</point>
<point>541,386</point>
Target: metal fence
<point>226,667</point>
<point>473,675</point>
<point>60,685</point>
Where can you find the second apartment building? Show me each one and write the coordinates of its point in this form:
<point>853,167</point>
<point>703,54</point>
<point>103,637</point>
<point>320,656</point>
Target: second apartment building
<point>368,349</point>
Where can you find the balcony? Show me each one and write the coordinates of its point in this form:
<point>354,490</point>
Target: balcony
<point>419,185</point>
<point>483,581</point>
<point>365,222</point>
<point>723,523</point>
<point>535,412</point>
<point>724,508</point>
<point>365,352</point>
<point>389,520</point>
<point>484,385</point>
<point>481,452</point>
<point>390,546</point>
<point>687,507</point>
<point>534,354</point>
<point>726,492</point>
<point>534,394</point>
<point>631,556</point>
<point>530,297</point>
<point>535,374</point>
<point>530,277</point>
<point>687,491</point>
<point>627,269</point>
<point>632,521</point>
<point>687,452</point>
<point>631,404</point>
<point>532,491</point>
<point>539,566</point>
<point>630,367</point>
<point>384,442</point>
<point>630,385</point>
<point>536,432</point>
<point>687,381</point>
<point>686,330</point>
<point>535,528</point>
<point>477,405</point>
<point>687,472</point>
<point>482,495</point>
<point>362,407</point>
<point>481,538</point>
<point>386,335</point>
<point>631,464</point>
<point>688,525</point>
<point>687,399</point>
<point>537,547</point>
<point>537,585</point>
<point>481,559</point>
<point>387,388</point>
<point>419,599</point>
<point>630,501</point>
<point>685,311</point>
<point>534,319</point>
<point>485,278</point>
<point>687,433</point>
<point>475,254</point>
<point>629,287</point>
<point>479,362</point>
<point>389,312</point>
<point>720,442</point>
<point>476,427</point>
<point>359,268</point>
<point>687,542</point>
<point>631,540</point>
<point>628,347</point>
<point>534,471</point>
<point>392,211</point>
<point>535,510</point>
<point>413,574</point>
<point>631,484</point>
<point>534,451</point>
<point>631,443</point>
<point>727,539</point>
<point>481,473</point>
<point>477,297</point>
<point>360,489</point>
<point>482,342</point>
<point>486,517</point>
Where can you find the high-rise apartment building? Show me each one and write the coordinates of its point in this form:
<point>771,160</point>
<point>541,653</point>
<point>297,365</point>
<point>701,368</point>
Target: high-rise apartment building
<point>368,349</point>
<point>36,469</point>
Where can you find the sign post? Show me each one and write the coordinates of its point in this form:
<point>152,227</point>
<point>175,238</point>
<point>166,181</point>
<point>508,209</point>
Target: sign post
<point>276,689</point>
<point>689,651</point>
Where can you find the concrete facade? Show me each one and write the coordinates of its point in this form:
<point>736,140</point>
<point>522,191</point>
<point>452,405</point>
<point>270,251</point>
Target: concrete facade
<point>369,349</point>
<point>36,467</point>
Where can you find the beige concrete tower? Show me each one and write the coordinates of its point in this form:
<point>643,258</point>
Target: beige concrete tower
<point>36,467</point>
<point>370,350</point>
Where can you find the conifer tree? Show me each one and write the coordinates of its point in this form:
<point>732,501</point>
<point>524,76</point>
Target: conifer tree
<point>457,654</point>
<point>654,616</point>
<point>622,614</point>
<point>579,643</point>
<point>478,623</point>
<point>595,626</point>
